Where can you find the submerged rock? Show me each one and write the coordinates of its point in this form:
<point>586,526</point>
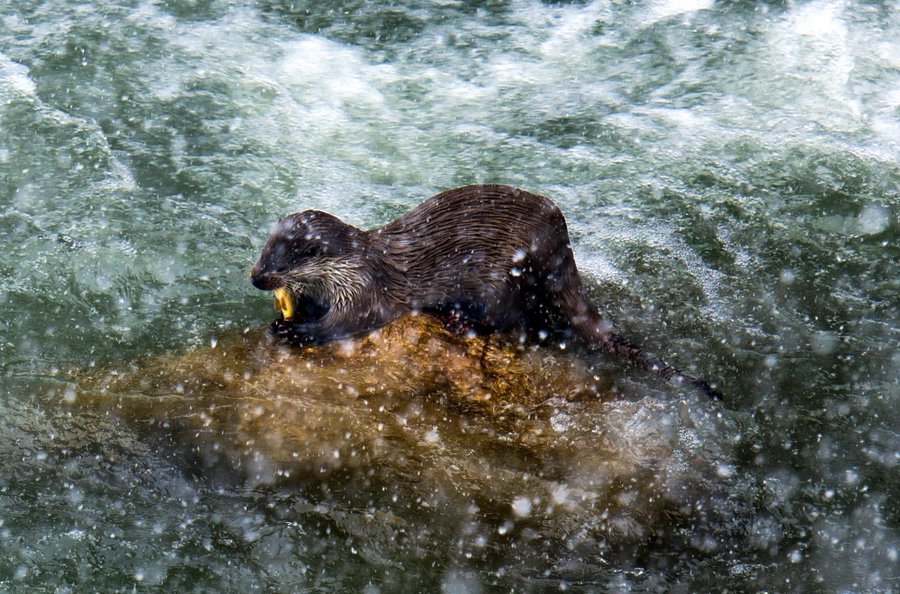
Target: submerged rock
<point>382,432</point>
<point>345,403</point>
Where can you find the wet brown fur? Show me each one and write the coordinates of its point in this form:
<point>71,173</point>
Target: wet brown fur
<point>491,255</point>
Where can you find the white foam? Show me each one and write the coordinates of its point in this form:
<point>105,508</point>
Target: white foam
<point>329,72</point>
<point>665,9</point>
<point>570,31</point>
<point>818,19</point>
<point>812,54</point>
<point>15,77</point>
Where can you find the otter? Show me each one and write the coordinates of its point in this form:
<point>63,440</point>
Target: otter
<point>486,257</point>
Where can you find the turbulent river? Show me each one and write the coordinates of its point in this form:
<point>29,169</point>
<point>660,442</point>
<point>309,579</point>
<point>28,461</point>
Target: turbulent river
<point>730,172</point>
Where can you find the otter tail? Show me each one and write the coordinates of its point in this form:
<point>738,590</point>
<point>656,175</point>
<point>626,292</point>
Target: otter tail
<point>613,342</point>
<point>598,333</point>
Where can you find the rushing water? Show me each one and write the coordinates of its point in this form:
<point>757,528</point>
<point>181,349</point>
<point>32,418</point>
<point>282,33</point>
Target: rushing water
<point>730,172</point>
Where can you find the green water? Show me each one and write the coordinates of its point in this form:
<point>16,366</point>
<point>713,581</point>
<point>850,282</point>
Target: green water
<point>730,175</point>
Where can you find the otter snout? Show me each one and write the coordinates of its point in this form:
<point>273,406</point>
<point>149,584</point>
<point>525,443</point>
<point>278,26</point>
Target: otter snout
<point>264,279</point>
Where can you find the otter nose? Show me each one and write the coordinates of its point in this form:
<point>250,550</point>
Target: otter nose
<point>265,280</point>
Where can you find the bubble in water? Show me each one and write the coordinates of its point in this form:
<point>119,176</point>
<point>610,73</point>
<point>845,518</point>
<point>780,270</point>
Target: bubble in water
<point>823,343</point>
<point>521,506</point>
<point>705,543</point>
<point>457,582</point>
<point>765,533</point>
<point>560,494</point>
<point>724,470</point>
<point>75,497</point>
<point>560,422</point>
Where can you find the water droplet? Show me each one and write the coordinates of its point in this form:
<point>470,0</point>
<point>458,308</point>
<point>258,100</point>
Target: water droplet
<point>724,470</point>
<point>521,506</point>
<point>560,494</point>
<point>873,219</point>
<point>823,343</point>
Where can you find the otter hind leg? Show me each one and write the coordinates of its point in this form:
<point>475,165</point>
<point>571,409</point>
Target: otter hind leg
<point>463,317</point>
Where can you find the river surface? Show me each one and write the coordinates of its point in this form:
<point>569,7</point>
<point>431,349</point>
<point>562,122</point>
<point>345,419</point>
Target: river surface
<point>730,172</point>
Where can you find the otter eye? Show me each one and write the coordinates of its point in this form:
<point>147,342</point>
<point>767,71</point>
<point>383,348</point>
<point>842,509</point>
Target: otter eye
<point>313,252</point>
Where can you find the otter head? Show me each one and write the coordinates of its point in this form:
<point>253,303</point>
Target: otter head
<point>308,262</point>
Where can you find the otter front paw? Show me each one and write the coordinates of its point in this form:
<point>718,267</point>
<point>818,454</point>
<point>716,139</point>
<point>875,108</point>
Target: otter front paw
<point>278,327</point>
<point>292,332</point>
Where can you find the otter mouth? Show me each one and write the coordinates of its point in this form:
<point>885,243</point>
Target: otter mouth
<point>304,307</point>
